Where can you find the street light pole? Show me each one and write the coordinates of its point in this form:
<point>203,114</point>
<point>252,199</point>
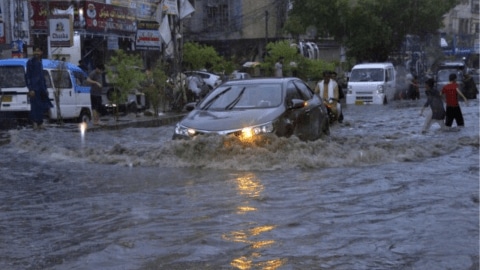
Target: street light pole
<point>266,27</point>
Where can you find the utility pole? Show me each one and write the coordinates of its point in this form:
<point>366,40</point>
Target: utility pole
<point>266,27</point>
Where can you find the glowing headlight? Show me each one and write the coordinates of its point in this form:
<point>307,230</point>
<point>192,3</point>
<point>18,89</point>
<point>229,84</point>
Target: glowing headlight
<point>249,132</point>
<point>181,130</point>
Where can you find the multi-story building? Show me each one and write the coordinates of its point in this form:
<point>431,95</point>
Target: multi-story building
<point>240,28</point>
<point>462,30</point>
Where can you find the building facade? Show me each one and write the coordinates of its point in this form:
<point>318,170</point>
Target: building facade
<point>240,28</point>
<point>461,32</point>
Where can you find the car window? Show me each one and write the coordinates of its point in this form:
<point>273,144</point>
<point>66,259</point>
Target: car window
<point>389,75</point>
<point>80,78</point>
<point>305,92</point>
<point>61,78</point>
<point>12,76</point>
<point>48,80</point>
<point>293,92</point>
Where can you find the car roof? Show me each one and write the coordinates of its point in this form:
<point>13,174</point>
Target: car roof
<point>261,80</point>
<point>47,63</point>
<point>373,65</point>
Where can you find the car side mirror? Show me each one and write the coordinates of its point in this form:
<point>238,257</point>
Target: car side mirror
<point>297,104</point>
<point>190,106</point>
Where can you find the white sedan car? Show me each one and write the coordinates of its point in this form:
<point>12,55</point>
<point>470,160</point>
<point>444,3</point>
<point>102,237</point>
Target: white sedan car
<point>212,80</point>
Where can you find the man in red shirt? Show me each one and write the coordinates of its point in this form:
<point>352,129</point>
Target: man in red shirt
<point>453,110</point>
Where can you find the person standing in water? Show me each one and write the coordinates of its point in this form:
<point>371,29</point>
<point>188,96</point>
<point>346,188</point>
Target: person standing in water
<point>453,111</point>
<point>436,114</point>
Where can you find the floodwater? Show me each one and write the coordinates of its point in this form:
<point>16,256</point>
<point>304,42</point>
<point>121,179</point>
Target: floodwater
<point>377,194</point>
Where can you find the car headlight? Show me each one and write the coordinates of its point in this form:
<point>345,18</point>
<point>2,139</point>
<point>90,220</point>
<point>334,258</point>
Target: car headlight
<point>184,131</point>
<point>380,89</point>
<point>249,132</point>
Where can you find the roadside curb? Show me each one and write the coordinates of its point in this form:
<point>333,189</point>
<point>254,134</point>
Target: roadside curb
<point>143,122</point>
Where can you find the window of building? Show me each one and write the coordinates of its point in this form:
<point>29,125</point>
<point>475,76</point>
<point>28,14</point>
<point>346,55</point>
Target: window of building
<point>217,16</point>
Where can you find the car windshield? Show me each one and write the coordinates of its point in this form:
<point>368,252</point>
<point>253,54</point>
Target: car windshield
<point>249,96</point>
<point>443,74</point>
<point>367,75</point>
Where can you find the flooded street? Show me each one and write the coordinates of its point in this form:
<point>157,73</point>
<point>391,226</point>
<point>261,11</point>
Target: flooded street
<point>377,194</point>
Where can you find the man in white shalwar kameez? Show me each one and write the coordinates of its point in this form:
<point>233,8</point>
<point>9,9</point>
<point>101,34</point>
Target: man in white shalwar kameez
<point>327,90</point>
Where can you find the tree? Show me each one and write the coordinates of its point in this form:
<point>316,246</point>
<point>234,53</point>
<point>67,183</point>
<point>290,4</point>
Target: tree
<point>371,29</point>
<point>196,56</point>
<point>125,72</point>
<point>60,76</point>
<point>275,50</point>
<point>154,87</point>
<point>294,63</point>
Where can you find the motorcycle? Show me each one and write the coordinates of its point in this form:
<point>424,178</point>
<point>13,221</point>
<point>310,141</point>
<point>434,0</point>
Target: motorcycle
<point>332,116</point>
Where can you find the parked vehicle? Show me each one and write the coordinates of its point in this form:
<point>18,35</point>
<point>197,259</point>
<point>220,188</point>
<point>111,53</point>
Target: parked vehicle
<point>135,101</point>
<point>251,107</point>
<point>212,80</point>
<point>371,83</point>
<point>237,75</point>
<point>69,79</point>
<point>445,69</point>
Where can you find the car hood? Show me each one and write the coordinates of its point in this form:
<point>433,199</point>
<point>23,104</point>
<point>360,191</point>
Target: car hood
<point>216,121</point>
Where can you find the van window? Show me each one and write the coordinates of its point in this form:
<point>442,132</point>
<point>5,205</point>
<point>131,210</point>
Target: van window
<point>12,76</point>
<point>389,74</point>
<point>80,78</point>
<point>367,75</point>
<point>61,79</point>
<point>48,81</point>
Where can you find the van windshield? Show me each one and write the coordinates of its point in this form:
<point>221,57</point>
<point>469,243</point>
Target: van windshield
<point>443,74</point>
<point>367,75</point>
<point>12,76</point>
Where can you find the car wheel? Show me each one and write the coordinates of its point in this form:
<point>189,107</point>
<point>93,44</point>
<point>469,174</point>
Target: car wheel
<point>110,94</point>
<point>85,116</point>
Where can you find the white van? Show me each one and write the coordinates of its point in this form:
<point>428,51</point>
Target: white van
<point>372,83</point>
<point>69,79</point>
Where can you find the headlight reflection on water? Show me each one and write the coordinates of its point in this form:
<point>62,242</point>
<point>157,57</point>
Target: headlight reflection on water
<point>83,128</point>
<point>250,187</point>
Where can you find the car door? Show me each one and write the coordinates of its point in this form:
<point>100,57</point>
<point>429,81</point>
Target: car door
<point>309,120</point>
<point>62,82</point>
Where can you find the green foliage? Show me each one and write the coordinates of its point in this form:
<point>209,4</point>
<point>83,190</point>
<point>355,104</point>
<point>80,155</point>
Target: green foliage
<point>275,50</point>
<point>154,87</point>
<point>125,72</point>
<point>294,64</point>
<point>371,29</point>
<point>311,69</point>
<point>197,56</point>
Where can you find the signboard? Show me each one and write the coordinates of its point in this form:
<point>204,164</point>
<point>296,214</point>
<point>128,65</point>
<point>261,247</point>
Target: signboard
<point>171,7</point>
<point>107,18</point>
<point>17,49</point>
<point>148,36</point>
<point>40,13</point>
<point>112,43</point>
<point>60,30</point>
